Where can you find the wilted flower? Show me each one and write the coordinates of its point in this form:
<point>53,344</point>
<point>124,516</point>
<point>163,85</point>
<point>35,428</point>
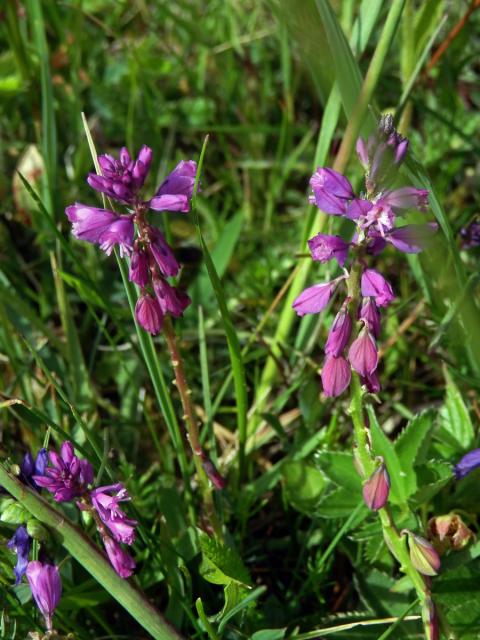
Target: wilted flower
<point>150,255</point>
<point>467,464</point>
<point>423,555</point>
<point>46,587</point>
<point>68,477</point>
<point>377,488</point>
<point>449,531</point>
<point>20,544</point>
<point>121,561</point>
<point>106,502</point>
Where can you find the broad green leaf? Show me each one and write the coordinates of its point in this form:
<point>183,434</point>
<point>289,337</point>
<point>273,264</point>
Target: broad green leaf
<point>338,467</point>
<point>221,564</point>
<point>245,602</point>
<point>431,477</point>
<point>455,418</point>
<point>338,504</point>
<point>408,447</point>
<point>376,592</point>
<point>303,485</point>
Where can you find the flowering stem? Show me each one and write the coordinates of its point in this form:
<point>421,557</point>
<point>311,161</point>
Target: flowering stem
<point>199,457</point>
<point>88,555</point>
<point>366,459</point>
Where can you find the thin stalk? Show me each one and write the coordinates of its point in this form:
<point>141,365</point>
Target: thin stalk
<point>202,462</point>
<point>88,555</point>
<point>365,457</point>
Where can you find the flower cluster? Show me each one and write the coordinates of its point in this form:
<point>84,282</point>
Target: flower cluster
<point>151,258</point>
<point>68,478</point>
<point>351,342</point>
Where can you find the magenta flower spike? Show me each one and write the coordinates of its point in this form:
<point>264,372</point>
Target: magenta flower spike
<point>46,587</point>
<point>324,248</point>
<point>314,299</point>
<point>68,477</point>
<point>148,314</point>
<point>106,502</point>
<point>377,488</point>
<point>121,561</point>
<point>339,334</point>
<point>151,258</point>
<point>336,376</point>
<point>374,284</point>
<point>363,355</point>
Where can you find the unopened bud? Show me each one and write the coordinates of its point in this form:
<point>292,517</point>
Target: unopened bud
<point>37,531</point>
<point>423,555</point>
<point>376,488</point>
<point>449,532</point>
<point>213,475</point>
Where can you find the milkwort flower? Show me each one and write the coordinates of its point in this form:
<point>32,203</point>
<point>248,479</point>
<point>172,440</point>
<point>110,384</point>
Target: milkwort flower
<point>151,259</point>
<point>68,477</point>
<point>352,339</point>
<point>46,586</point>
<point>20,544</point>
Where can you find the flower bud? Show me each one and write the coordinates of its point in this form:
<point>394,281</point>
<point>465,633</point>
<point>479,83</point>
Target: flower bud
<point>430,619</point>
<point>376,488</point>
<point>37,531</point>
<point>423,555</point>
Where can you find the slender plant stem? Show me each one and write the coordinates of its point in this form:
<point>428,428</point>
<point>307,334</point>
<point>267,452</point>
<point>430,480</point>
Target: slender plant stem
<point>199,457</point>
<point>88,555</point>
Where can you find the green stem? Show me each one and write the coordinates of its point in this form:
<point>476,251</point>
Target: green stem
<point>88,555</point>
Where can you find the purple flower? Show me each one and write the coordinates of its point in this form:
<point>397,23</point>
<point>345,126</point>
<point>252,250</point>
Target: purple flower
<point>46,587</point>
<point>339,334</point>
<point>413,238</point>
<point>139,271</point>
<point>324,247</point>
<point>370,314</point>
<point>335,375</point>
<point>377,488</point>
<point>470,235</point>
<point>314,299</point>
<point>102,227</point>
<point>148,314</point>
<point>358,208</point>
<point>31,467</point>
<point>363,354</point>
<point>106,502</point>
<point>170,299</point>
<point>331,191</point>
<point>467,464</point>
<point>175,192</point>
<point>374,284</point>
<point>406,198</point>
<point>68,477</point>
<point>162,253</point>
<point>122,179</point>
<point>20,544</point>
<point>121,561</point>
